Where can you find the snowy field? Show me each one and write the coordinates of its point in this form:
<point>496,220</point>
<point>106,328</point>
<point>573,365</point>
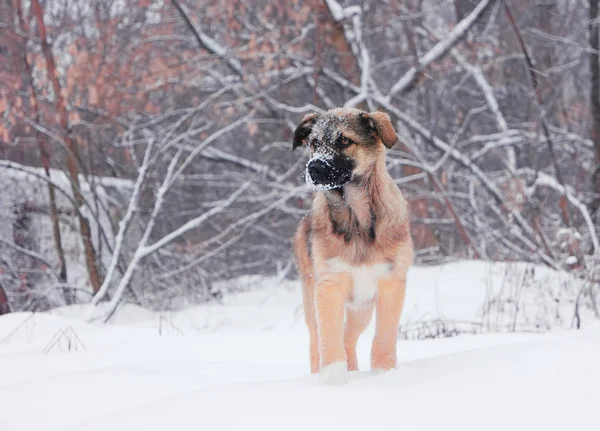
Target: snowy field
<point>243,364</point>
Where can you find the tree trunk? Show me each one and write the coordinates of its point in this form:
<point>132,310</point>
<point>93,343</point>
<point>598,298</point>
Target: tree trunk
<point>595,102</point>
<point>72,150</point>
<point>4,306</point>
<point>45,156</point>
<point>23,234</point>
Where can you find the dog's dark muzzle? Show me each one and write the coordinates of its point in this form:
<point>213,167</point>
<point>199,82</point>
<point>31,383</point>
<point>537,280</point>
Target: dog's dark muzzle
<point>328,174</point>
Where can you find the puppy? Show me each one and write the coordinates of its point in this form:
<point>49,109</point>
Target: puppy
<point>354,248</point>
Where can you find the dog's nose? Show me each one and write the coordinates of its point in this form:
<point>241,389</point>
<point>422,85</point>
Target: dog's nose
<point>318,171</point>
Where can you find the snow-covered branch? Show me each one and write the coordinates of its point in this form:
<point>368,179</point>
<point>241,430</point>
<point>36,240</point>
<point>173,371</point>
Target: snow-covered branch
<point>462,159</point>
<point>241,223</point>
<point>440,49</point>
<point>205,143</point>
<point>340,13</point>
<point>192,224</point>
<point>30,253</point>
<point>543,179</point>
<point>206,42</point>
<point>124,225</point>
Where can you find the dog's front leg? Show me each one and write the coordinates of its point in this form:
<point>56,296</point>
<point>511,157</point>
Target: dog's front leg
<point>331,293</point>
<point>390,298</point>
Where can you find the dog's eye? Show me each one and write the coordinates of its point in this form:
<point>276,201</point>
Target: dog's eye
<point>343,142</point>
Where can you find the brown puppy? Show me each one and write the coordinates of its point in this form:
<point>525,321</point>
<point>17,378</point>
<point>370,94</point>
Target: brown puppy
<point>354,249</point>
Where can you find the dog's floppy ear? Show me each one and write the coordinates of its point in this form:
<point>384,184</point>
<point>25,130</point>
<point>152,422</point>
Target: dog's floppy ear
<point>304,129</point>
<point>382,124</point>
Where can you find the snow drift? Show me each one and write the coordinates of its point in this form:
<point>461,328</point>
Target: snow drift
<point>243,364</point>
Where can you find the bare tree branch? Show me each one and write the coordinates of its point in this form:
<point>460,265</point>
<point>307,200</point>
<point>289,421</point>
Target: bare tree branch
<point>206,42</point>
<point>410,78</point>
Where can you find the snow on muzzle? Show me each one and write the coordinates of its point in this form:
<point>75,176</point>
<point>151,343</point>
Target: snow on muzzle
<point>326,172</point>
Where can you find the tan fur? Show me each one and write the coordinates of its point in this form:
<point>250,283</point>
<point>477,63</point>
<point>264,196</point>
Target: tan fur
<point>334,325</point>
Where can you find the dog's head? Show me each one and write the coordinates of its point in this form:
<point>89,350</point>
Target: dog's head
<point>344,145</point>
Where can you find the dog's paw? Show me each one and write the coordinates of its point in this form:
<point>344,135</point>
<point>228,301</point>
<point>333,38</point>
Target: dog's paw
<point>383,359</point>
<point>334,374</point>
<point>380,370</point>
<point>383,366</point>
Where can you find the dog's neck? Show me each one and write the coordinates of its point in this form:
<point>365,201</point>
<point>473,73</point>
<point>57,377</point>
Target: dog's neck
<point>354,206</point>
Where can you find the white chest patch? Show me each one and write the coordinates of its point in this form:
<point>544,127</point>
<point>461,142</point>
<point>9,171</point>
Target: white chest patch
<point>364,277</point>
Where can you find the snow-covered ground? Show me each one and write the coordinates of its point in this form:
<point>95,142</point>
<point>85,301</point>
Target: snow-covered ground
<point>243,364</point>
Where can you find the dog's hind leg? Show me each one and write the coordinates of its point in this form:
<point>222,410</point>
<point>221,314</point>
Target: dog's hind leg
<point>357,320</point>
